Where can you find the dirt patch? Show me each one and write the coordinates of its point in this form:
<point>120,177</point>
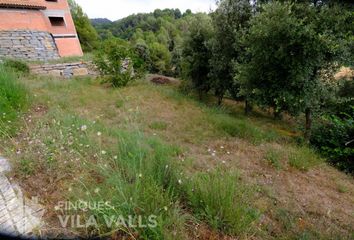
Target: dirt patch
<point>321,199</point>
<point>162,80</point>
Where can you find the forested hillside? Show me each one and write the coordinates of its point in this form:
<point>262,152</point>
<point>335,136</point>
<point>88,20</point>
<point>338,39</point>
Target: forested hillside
<point>158,36</point>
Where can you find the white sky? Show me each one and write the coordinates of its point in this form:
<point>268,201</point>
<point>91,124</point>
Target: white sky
<point>117,9</point>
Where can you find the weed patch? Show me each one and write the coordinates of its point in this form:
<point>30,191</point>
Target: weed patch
<point>240,127</point>
<point>273,157</point>
<point>303,158</point>
<point>158,125</point>
<point>220,199</point>
<point>13,101</point>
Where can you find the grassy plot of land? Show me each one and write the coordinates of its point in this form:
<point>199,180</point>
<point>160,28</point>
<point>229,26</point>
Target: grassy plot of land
<point>201,172</point>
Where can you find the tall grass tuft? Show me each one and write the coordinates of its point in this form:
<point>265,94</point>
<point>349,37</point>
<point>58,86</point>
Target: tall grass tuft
<point>240,127</point>
<point>140,180</point>
<point>303,158</point>
<point>13,100</point>
<point>220,199</point>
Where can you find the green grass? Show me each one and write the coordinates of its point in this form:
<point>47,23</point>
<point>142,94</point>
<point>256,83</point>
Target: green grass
<point>239,127</point>
<point>158,125</point>
<point>303,158</point>
<point>14,99</point>
<point>220,199</point>
<point>85,58</point>
<point>17,66</point>
<point>119,103</point>
<point>274,158</point>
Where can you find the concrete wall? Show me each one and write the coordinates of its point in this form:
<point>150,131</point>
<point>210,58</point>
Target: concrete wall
<point>29,45</point>
<point>66,70</point>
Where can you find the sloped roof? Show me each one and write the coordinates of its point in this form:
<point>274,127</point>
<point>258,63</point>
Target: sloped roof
<point>24,4</point>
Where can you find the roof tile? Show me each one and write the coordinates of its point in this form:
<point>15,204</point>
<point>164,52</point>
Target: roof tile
<point>27,4</point>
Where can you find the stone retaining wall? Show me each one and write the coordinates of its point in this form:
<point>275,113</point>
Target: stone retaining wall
<point>66,70</point>
<point>28,45</point>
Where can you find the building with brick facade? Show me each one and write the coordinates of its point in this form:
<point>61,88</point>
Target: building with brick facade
<point>37,29</point>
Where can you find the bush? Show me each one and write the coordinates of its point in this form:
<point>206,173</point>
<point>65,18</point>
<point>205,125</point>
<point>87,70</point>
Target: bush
<point>17,66</point>
<point>13,100</point>
<point>334,137</point>
<point>115,61</point>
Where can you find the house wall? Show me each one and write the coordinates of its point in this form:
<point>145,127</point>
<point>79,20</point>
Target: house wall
<point>30,45</point>
<point>65,37</point>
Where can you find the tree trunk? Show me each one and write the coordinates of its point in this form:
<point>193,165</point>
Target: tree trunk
<point>248,107</point>
<point>308,124</point>
<point>220,98</point>
<point>277,114</point>
<point>200,95</point>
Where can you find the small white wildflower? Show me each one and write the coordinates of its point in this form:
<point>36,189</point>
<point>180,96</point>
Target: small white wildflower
<point>99,133</point>
<point>56,208</point>
<point>222,147</point>
<point>166,166</point>
<point>83,128</point>
<point>70,189</point>
<point>213,154</point>
<point>209,150</point>
<point>179,181</point>
<point>97,190</point>
<point>154,134</point>
<point>228,153</point>
<point>140,175</point>
<point>223,162</point>
<point>103,152</point>
<point>115,157</point>
<point>165,208</point>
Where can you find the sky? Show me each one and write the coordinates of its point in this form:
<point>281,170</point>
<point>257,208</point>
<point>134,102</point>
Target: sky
<point>117,9</point>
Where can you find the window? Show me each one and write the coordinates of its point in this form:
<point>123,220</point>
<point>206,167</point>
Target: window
<point>57,21</point>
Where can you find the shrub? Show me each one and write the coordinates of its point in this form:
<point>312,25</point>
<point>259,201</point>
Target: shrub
<point>334,137</point>
<point>115,61</point>
<point>13,100</point>
<point>17,66</point>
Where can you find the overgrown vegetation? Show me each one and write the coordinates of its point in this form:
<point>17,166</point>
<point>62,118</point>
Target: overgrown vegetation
<point>13,97</point>
<point>185,169</point>
<point>126,155</point>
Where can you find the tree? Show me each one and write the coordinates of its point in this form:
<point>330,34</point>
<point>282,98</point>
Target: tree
<point>196,53</point>
<point>160,58</point>
<point>230,20</point>
<point>86,32</point>
<point>286,55</point>
<point>116,61</point>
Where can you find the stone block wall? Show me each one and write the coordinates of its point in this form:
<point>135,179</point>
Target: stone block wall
<point>28,45</point>
<point>66,70</point>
